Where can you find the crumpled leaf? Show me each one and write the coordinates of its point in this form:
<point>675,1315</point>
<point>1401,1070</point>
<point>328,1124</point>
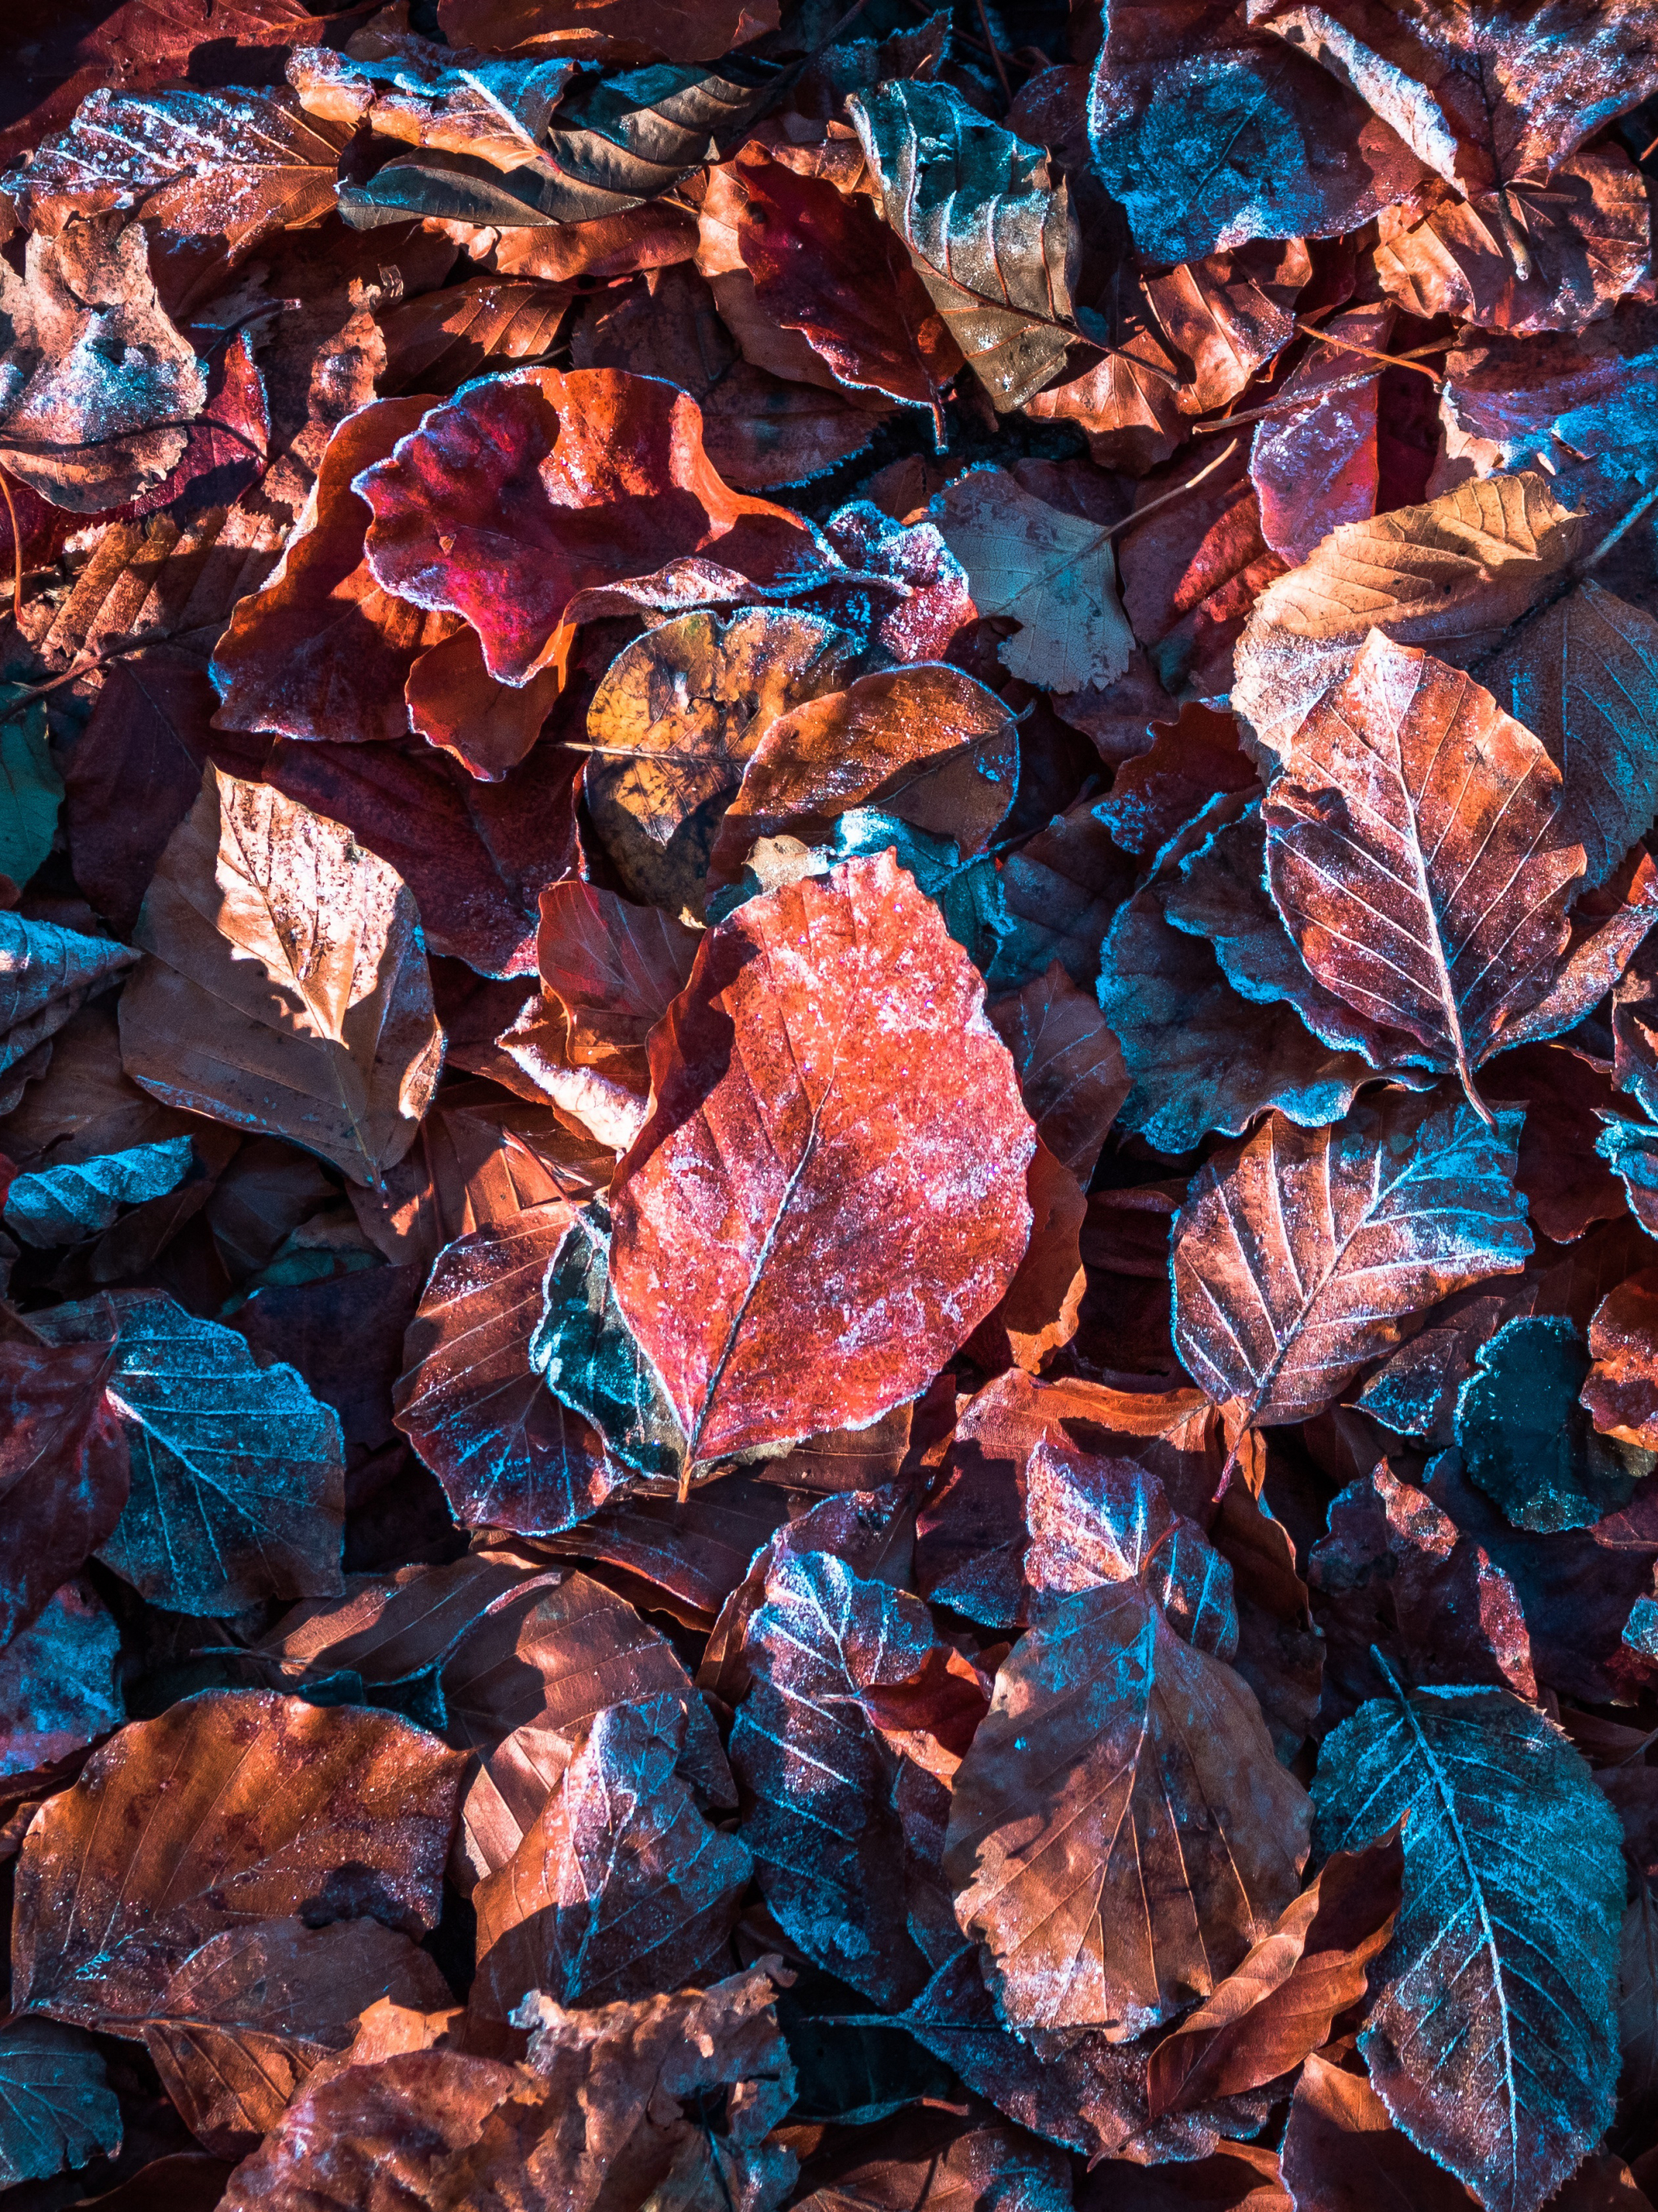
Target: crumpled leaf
<point>542,449</point>
<point>926,744</point>
<point>1414,847</point>
<point>1300,1256</point>
<point>1491,2036</point>
<point>288,988</point>
<point>1212,134</point>
<point>238,1477</point>
<point>57,2111</point>
<point>1524,1439</point>
<point>508,1452</point>
<point>1120,1829</point>
<point>620,1887</point>
<point>939,1142</point>
<point>856,1714</point>
<point>412,91</point>
<point>96,385</point>
<point>62,1204</point>
<point>1278,2006</point>
<point>995,244</point>
<point>246,1801</point>
<point>1053,572</point>
<point>674,722</point>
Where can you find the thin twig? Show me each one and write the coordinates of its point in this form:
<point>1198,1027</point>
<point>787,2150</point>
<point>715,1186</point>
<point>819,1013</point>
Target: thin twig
<point>1283,406</point>
<point>1618,528</point>
<point>16,554</point>
<point>1191,485</point>
<point>995,53</point>
<point>1345,345</point>
<point>81,668</point>
<point>1646,152</point>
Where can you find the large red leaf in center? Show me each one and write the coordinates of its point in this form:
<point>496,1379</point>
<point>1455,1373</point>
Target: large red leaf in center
<point>829,1194</point>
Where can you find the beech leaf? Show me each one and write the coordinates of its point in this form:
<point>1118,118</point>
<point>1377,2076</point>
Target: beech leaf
<point>286,988</point>
<point>1300,1256</point>
<point>1492,2035</point>
<point>56,2108</point>
<point>838,1017</point>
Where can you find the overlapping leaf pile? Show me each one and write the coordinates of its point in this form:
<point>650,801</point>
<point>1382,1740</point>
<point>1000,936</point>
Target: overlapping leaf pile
<point>829,1105</point>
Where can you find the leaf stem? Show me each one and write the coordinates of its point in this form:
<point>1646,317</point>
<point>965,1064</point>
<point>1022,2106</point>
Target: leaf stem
<point>1347,345</point>
<point>16,554</point>
<point>1191,485</point>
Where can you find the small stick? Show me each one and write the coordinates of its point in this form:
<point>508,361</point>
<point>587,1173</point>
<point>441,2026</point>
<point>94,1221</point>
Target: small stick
<point>1284,406</point>
<point>995,54</point>
<point>1191,485</point>
<point>16,554</point>
<point>1345,345</point>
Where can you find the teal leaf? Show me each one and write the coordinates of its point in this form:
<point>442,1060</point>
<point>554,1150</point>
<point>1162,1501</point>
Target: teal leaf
<point>56,2108</point>
<point>30,788</point>
<point>1528,1442</point>
<point>1492,2034</point>
<point>62,1204</point>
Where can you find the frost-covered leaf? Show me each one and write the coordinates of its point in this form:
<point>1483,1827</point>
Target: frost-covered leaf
<point>1491,2035</point>
<point>62,1204</point>
<point>238,1478</point>
<point>56,2108</point>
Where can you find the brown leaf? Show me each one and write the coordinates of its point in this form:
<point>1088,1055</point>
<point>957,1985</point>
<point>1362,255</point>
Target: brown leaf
<point>676,719</point>
<point>1315,465</point>
<point>1414,847</point>
<point>1278,2006</point>
<point>1069,1065</point>
<point>614,969</point>
<point>1342,2150</point>
<point>244,2018</point>
<point>231,1806</point>
<point>803,999</point>
<point>924,744</point>
<point>63,1469</point>
<point>74,426</point>
<point>1037,1315</point>
<point>1622,1389</point>
<point>927,2160</point>
<point>621,1886</point>
<point>288,988</point>
<point>1164,788</point>
<point>411,91</point>
<point>684,1556</point>
<point>1302,1254</point>
<point>438,341</point>
<point>1119,1830</point>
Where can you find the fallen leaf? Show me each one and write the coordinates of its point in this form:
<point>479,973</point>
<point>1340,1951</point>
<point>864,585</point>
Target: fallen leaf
<point>64,1205</point>
<point>286,988</point>
<point>63,1469</point>
<point>994,241</point>
<point>1278,2006</point>
<point>1299,1256</point>
<point>1523,1436</point>
<point>1341,2145</point>
<point>1621,1390</point>
<point>1314,466</point>
<point>238,1481</point>
<point>1051,572</point>
<point>1119,1830</point>
<point>272,1804</point>
<point>796,972</point>
<point>1069,1065</point>
<point>1503,2066</point>
<point>57,2111</point>
<point>60,1689</point>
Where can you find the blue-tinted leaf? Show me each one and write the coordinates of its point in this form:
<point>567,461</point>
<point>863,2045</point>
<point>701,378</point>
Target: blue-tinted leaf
<point>620,1887</point>
<point>62,1204</point>
<point>59,1683</point>
<point>591,1360</point>
<point>30,787</point>
<point>56,2108</point>
<point>237,1473</point>
<point>1095,1521</point>
<point>45,975</point>
<point>1493,2033</point>
<point>1526,1440</point>
<point>1632,1149</point>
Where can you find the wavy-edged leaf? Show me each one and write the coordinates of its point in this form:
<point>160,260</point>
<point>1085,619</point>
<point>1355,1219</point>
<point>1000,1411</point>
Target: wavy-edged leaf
<point>1315,465</point>
<point>622,1886</point>
<point>1278,2004</point>
<point>1302,1254</point>
<point>620,140</point>
<point>995,244</point>
<point>928,2160</point>
<point>1120,1830</point>
<point>829,1194</point>
<point>1450,575</point>
<point>64,1468</point>
<point>233,1806</point>
<point>62,1204</point>
<point>288,990</point>
<point>855,1715</point>
<point>237,1473</point>
<point>46,975</point>
<point>589,1358</point>
<point>1492,2034</point>
<point>1414,847</point>
<point>508,1452</point>
<point>1052,572</point>
<point>56,2108</point>
<point>926,744</point>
